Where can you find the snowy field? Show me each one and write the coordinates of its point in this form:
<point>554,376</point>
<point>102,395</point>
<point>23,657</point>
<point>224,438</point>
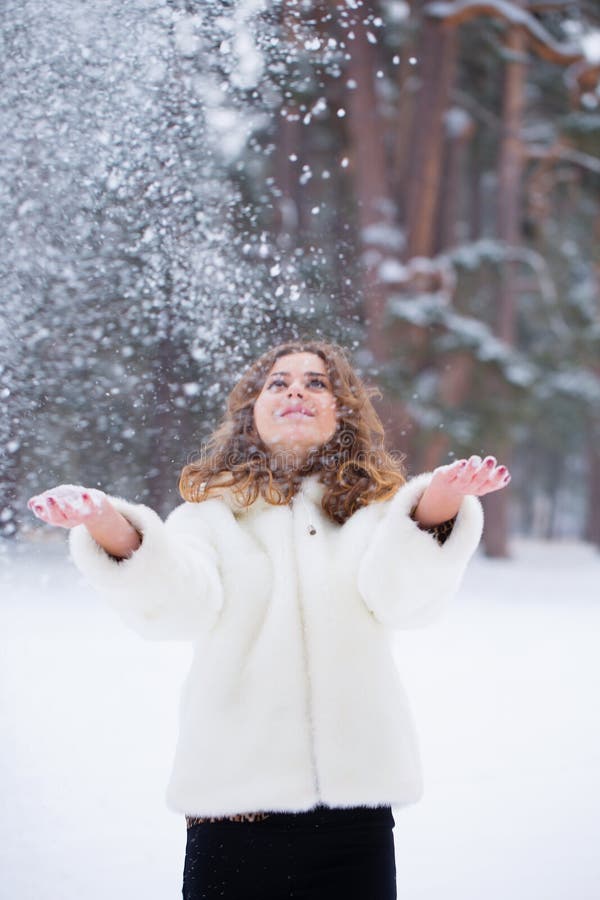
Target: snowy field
<point>504,691</point>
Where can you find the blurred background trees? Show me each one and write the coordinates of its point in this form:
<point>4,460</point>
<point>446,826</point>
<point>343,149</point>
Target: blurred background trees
<point>186,183</point>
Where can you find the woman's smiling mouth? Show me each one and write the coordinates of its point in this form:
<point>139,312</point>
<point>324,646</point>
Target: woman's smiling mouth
<point>295,411</point>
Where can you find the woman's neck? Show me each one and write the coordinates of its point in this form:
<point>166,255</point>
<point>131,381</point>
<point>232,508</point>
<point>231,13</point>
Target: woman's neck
<point>287,461</point>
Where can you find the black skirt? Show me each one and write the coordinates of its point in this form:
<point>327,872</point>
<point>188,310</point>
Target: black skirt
<point>321,854</point>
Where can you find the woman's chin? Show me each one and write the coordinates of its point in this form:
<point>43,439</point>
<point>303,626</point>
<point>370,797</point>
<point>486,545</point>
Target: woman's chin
<point>295,442</point>
<point>290,457</point>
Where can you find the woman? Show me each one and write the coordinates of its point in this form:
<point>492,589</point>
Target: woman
<point>300,545</point>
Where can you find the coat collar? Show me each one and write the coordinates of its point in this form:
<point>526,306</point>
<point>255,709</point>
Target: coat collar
<point>311,489</point>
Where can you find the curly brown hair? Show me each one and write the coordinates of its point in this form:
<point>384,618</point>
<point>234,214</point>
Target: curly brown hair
<point>353,464</point>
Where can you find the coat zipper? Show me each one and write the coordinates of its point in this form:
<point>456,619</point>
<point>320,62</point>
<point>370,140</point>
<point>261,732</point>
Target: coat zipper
<point>306,666</point>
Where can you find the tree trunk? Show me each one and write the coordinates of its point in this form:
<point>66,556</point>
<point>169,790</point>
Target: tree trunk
<point>455,382</point>
<point>455,369</point>
<point>592,524</point>
<point>161,473</point>
<point>475,204</point>
<point>496,528</point>
<point>437,58</point>
<point>376,215</point>
<point>510,175</point>
<point>11,514</point>
<point>459,132</point>
<point>495,536</point>
<point>436,68</point>
<point>404,121</point>
<point>369,169</point>
<point>286,178</point>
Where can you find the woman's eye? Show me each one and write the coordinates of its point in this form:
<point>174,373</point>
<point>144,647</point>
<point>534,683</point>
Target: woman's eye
<point>279,382</point>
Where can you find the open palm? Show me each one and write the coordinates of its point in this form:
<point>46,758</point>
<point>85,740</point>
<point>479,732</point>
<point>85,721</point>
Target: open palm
<point>472,476</point>
<point>67,505</point>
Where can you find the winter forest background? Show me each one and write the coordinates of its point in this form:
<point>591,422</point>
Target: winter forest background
<point>185,183</point>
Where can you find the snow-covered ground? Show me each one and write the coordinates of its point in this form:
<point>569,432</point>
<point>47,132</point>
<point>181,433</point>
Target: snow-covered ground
<point>504,691</point>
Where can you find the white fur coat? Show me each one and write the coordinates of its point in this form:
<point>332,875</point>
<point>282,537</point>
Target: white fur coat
<point>293,697</point>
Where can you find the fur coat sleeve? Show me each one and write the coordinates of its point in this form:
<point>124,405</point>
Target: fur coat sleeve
<point>170,587</point>
<point>405,576</point>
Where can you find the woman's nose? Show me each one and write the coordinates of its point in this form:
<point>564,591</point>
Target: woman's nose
<point>295,389</point>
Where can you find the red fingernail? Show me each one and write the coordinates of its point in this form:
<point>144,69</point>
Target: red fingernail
<point>502,469</point>
<point>38,508</point>
<point>51,501</point>
<point>489,462</point>
<point>86,496</point>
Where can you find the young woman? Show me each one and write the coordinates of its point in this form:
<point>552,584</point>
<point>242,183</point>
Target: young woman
<point>300,545</point>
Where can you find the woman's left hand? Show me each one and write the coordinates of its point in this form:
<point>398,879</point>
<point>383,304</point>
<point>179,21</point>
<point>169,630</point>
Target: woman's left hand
<point>471,476</point>
<point>443,496</point>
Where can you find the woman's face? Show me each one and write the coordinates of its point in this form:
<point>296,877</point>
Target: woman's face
<point>295,411</point>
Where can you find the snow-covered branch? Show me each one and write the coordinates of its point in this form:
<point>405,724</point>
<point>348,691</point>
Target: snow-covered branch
<point>582,76</point>
<point>421,275</point>
<point>431,283</point>
<point>540,40</point>
<point>548,5</point>
<point>466,332</point>
<point>437,275</point>
<point>473,255</point>
<point>560,153</point>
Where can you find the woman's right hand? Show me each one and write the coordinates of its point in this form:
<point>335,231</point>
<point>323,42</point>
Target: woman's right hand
<point>67,505</point>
